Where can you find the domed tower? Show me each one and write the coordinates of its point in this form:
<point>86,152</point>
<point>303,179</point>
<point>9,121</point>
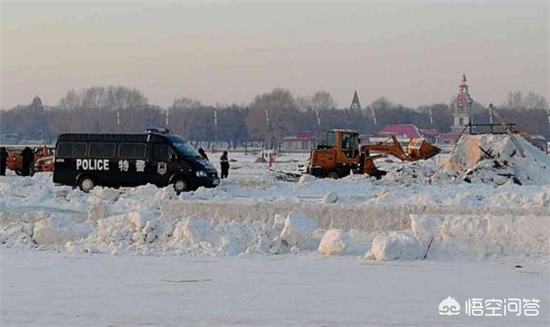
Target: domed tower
<point>462,107</point>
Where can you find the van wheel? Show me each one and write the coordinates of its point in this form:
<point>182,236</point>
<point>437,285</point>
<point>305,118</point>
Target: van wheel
<point>180,185</point>
<point>333,175</point>
<point>86,184</point>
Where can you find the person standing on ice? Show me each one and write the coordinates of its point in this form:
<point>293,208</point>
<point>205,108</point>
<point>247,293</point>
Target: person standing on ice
<point>224,163</point>
<point>28,160</point>
<point>3,161</point>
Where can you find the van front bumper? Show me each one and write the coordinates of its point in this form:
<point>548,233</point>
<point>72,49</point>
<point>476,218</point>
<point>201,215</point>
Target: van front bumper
<point>209,182</point>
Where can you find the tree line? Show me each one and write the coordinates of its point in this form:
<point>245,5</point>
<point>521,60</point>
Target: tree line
<point>268,118</point>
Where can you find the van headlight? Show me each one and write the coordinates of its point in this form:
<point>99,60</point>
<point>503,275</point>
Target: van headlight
<point>201,173</point>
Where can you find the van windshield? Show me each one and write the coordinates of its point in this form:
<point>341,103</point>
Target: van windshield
<point>185,149</point>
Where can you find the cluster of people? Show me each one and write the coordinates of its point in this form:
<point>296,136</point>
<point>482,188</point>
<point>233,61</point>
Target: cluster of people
<point>27,156</point>
<point>224,162</point>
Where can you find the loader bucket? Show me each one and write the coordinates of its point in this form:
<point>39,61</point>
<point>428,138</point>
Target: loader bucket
<point>419,149</point>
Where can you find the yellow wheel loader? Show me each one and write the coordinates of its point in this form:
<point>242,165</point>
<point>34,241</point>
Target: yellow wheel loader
<point>341,154</point>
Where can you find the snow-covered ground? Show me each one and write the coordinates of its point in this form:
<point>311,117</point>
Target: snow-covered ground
<point>44,288</point>
<point>260,250</point>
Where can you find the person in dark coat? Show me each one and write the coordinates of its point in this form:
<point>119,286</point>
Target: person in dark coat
<point>224,163</point>
<point>28,160</point>
<point>202,153</point>
<point>3,161</point>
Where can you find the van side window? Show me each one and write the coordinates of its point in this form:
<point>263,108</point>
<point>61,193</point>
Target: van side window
<point>160,152</point>
<point>72,150</point>
<point>102,150</point>
<point>132,150</point>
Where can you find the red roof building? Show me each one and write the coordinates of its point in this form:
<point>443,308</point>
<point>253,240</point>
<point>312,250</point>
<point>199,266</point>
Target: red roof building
<point>430,132</point>
<point>406,131</point>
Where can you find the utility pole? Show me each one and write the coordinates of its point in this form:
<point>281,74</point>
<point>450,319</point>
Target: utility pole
<point>318,118</point>
<point>268,124</point>
<point>374,120</point>
<point>215,129</point>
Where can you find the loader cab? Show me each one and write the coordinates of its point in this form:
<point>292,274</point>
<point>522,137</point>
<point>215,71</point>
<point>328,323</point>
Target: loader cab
<point>346,141</point>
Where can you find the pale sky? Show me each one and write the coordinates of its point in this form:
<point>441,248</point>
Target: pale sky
<point>411,52</point>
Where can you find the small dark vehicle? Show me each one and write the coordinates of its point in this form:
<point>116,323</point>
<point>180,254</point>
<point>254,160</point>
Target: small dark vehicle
<point>118,160</point>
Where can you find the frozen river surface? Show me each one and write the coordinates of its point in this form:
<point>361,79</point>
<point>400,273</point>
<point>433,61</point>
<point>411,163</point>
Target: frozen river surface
<point>45,288</point>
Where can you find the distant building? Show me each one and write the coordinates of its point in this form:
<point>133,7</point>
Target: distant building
<point>403,132</point>
<point>37,102</point>
<point>355,104</point>
<point>430,135</point>
<point>407,131</point>
<point>447,138</point>
<point>302,141</point>
<point>462,107</point>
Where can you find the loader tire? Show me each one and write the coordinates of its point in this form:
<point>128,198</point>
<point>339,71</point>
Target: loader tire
<point>333,175</point>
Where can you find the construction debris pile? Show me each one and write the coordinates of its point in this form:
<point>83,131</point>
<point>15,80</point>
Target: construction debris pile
<point>410,173</point>
<point>496,159</point>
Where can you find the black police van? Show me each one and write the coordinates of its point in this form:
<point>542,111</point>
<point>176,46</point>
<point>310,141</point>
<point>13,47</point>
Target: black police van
<point>117,160</point>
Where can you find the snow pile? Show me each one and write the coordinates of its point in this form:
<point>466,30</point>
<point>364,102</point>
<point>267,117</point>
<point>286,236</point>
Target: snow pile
<point>330,198</point>
<point>395,246</point>
<point>146,232</point>
<point>306,178</point>
<point>252,213</point>
<point>54,231</point>
<point>495,159</point>
<point>411,172</point>
<point>105,193</point>
<point>333,242</point>
<point>450,236</point>
<point>298,230</point>
<point>484,236</point>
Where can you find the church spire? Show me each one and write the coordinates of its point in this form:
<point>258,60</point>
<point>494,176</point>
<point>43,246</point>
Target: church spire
<point>463,87</point>
<point>355,104</point>
<point>37,102</point>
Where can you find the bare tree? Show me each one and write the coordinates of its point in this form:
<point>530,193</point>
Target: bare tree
<point>186,103</point>
<point>514,101</point>
<point>322,100</point>
<point>189,118</point>
<point>303,103</point>
<point>272,116</point>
